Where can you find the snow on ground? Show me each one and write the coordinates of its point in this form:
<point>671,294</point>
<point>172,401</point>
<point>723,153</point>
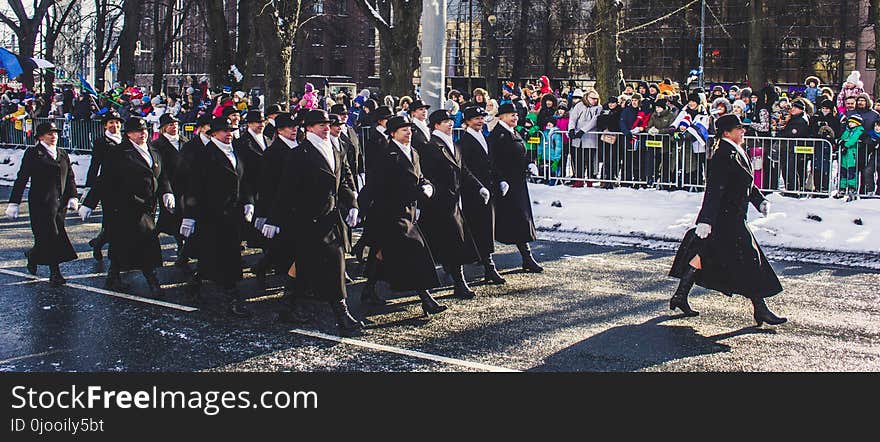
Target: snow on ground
<point>10,161</point>
<point>659,219</point>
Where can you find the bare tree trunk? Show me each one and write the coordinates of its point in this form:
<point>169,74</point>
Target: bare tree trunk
<point>608,65</point>
<point>875,20</point>
<point>27,29</point>
<point>158,59</point>
<point>398,26</point>
<point>277,40</point>
<point>757,75</point>
<point>490,48</point>
<point>520,37</point>
<point>246,40</point>
<point>133,11</point>
<point>219,49</point>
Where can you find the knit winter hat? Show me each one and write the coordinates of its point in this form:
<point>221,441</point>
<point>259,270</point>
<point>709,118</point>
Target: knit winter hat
<point>812,78</point>
<point>854,78</point>
<point>855,118</point>
<point>577,94</point>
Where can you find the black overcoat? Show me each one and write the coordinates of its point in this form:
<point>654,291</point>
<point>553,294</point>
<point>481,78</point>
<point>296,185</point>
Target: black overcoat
<point>731,260</point>
<point>307,209</point>
<point>52,186</point>
<point>350,142</point>
<point>102,145</point>
<point>407,263</point>
<point>441,220</point>
<point>480,217</point>
<point>513,212</point>
<point>129,190</point>
<point>172,160</point>
<point>281,247</point>
<point>215,199</point>
<point>249,151</point>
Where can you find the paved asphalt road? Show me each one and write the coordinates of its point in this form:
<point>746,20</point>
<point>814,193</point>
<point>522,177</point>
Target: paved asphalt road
<point>594,308</point>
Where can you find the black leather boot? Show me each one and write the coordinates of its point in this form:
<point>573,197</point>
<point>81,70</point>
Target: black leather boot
<point>490,274</point>
<point>430,306</point>
<point>529,264</point>
<point>31,267</point>
<point>369,295</point>
<point>680,298</point>
<point>114,281</point>
<point>237,305</point>
<point>55,277</point>
<point>461,289</point>
<point>346,323</point>
<point>97,243</point>
<point>763,313</point>
<point>153,283</point>
<point>290,311</point>
<point>261,268</point>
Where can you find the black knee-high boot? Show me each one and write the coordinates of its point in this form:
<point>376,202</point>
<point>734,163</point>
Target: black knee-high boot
<point>114,280</point>
<point>529,264</point>
<point>97,243</point>
<point>680,298</point>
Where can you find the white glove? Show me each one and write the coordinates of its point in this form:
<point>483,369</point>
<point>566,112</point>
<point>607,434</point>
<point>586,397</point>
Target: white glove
<point>504,187</point>
<point>764,208</point>
<point>533,169</point>
<point>73,204</point>
<point>484,192</point>
<point>352,218</point>
<point>12,210</point>
<point>428,190</point>
<point>636,130</point>
<point>269,231</point>
<point>703,230</point>
<point>84,212</point>
<point>187,227</point>
<point>248,212</point>
<point>168,201</point>
<point>653,131</point>
<point>361,180</point>
<point>259,222</point>
<point>418,214</point>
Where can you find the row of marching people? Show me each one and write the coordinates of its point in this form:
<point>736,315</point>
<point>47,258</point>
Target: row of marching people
<point>424,200</point>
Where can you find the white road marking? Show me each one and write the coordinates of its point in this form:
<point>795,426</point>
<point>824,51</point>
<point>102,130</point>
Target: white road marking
<point>184,308</point>
<point>35,355</point>
<point>34,281</point>
<point>403,351</point>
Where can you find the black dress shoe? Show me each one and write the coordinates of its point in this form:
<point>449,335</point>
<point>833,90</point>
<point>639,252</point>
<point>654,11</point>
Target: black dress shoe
<point>96,249</point>
<point>763,314</point>
<point>31,267</point>
<point>346,323</point>
<point>463,292</point>
<point>55,278</point>
<point>490,274</point>
<point>430,306</point>
<point>528,261</point>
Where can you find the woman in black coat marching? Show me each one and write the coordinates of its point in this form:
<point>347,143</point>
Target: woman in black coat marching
<point>110,140</point>
<point>403,254</point>
<point>169,144</point>
<point>53,192</point>
<point>513,212</point>
<point>721,253</point>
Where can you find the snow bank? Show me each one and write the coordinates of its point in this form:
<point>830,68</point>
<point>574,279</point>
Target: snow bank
<point>652,215</point>
<point>10,161</point>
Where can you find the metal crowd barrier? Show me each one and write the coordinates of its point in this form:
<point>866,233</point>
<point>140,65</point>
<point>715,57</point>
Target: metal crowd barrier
<point>76,136</point>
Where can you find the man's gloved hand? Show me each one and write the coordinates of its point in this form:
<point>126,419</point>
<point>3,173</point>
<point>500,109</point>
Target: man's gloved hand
<point>12,210</point>
<point>84,212</point>
<point>504,187</point>
<point>533,169</point>
<point>764,208</point>
<point>269,231</point>
<point>187,227</point>
<point>703,230</point>
<point>248,212</point>
<point>168,201</point>
<point>352,218</point>
<point>653,131</point>
<point>484,192</point>
<point>361,180</point>
<point>259,222</point>
<point>428,190</point>
<point>73,204</point>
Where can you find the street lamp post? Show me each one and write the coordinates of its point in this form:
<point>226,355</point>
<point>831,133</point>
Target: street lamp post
<point>470,60</point>
<point>702,40</point>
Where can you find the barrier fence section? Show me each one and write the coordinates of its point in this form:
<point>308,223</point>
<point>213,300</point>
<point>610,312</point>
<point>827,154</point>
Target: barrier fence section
<point>75,136</point>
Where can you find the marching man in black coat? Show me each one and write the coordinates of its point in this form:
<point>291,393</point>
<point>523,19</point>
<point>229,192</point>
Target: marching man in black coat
<point>131,184</point>
<point>272,112</point>
<point>513,223</point>
<point>251,147</point>
<point>112,137</point>
<point>480,216</point>
<point>404,256</point>
<point>441,220</point>
<point>52,194</point>
<point>278,250</point>
<point>315,182</point>
<point>349,140</point>
<point>169,145</point>
<point>216,199</point>
<point>721,253</point>
<point>418,112</point>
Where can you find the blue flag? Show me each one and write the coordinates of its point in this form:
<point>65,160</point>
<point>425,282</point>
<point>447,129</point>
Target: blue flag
<point>10,63</point>
<point>85,84</point>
